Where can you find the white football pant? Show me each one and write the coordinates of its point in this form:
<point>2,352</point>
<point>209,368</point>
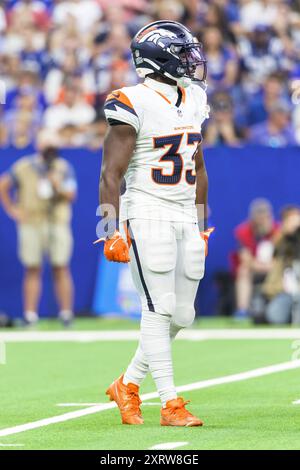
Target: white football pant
<point>167,263</point>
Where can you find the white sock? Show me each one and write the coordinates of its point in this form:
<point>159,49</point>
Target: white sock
<point>31,317</point>
<point>156,345</point>
<point>66,315</point>
<point>138,367</point>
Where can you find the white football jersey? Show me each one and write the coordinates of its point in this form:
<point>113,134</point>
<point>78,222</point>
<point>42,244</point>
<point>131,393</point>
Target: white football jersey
<point>160,179</point>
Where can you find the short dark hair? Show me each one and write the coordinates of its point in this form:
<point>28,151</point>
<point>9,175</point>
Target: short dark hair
<point>287,210</point>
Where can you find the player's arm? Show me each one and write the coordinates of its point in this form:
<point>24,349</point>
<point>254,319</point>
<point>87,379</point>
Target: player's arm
<point>118,148</point>
<point>202,196</point>
<point>201,188</point>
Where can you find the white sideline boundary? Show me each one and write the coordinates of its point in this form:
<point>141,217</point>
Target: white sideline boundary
<point>168,445</point>
<point>263,371</point>
<point>80,405</point>
<point>11,445</point>
<point>133,335</point>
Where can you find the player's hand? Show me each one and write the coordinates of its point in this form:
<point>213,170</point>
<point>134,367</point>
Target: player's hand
<point>115,248</point>
<point>205,236</point>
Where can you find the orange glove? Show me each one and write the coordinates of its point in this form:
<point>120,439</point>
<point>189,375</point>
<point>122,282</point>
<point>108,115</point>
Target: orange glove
<point>115,248</point>
<point>205,236</point>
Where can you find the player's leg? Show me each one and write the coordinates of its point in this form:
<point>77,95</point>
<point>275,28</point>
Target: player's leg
<point>189,271</point>
<point>153,260</point>
<point>138,368</point>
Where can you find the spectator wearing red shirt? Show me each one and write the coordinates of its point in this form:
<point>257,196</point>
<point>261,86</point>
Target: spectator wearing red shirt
<point>255,238</point>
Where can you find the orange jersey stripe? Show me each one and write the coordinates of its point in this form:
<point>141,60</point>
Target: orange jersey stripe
<point>120,96</point>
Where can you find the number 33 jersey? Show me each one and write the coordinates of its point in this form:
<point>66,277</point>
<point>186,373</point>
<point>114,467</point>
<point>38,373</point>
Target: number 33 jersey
<point>161,178</point>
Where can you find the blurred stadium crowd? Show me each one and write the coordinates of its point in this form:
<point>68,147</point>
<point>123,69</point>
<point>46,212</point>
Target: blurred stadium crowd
<point>60,58</point>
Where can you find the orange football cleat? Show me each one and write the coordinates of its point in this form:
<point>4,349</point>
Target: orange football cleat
<point>175,414</point>
<point>128,400</point>
<point>115,248</point>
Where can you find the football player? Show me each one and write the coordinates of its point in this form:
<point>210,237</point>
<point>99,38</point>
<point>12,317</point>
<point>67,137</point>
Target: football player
<point>154,141</point>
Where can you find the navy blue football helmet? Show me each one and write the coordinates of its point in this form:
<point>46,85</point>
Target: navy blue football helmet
<point>169,48</point>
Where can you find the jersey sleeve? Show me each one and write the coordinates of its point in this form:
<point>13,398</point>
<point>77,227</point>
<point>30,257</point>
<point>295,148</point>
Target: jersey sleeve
<point>119,108</point>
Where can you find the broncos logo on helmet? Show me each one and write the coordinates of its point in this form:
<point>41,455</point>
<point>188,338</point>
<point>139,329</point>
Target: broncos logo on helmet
<point>155,35</point>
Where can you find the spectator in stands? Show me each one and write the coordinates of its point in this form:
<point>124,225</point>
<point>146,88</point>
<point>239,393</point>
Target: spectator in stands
<point>44,187</point>
<point>246,41</point>
<point>222,16</point>
<point>255,240</point>
<point>273,90</point>
<point>84,14</point>
<point>277,130</point>
<point>221,128</point>
<point>282,285</point>
<point>254,13</point>
<point>2,19</point>
<point>73,110</point>
<point>111,62</point>
<point>26,82</point>
<point>221,61</point>
<point>57,77</point>
<point>262,53</point>
<point>21,123</point>
<point>171,9</point>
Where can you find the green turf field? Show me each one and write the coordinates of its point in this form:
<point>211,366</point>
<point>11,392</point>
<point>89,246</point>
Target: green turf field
<point>257,413</point>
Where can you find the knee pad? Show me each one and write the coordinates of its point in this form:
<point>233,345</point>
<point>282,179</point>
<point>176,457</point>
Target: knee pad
<point>184,316</point>
<point>166,304</point>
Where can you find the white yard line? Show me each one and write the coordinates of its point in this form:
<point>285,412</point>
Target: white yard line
<point>11,445</point>
<point>78,405</point>
<point>133,335</point>
<point>168,445</point>
<point>149,396</point>
<point>297,402</point>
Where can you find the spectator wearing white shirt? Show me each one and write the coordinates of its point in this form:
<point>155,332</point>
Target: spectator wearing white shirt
<point>73,111</point>
<point>84,12</point>
<point>258,12</point>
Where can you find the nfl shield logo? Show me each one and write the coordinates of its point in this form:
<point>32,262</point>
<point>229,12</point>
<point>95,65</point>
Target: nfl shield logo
<point>179,112</point>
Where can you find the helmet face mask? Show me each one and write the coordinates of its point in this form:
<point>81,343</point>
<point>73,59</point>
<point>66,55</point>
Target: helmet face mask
<point>169,49</point>
<point>193,61</point>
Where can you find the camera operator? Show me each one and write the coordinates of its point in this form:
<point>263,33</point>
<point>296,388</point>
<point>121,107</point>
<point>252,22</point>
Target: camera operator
<point>37,193</point>
<point>282,285</point>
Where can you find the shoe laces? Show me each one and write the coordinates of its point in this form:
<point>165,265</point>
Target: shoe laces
<point>178,408</point>
<point>134,400</point>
